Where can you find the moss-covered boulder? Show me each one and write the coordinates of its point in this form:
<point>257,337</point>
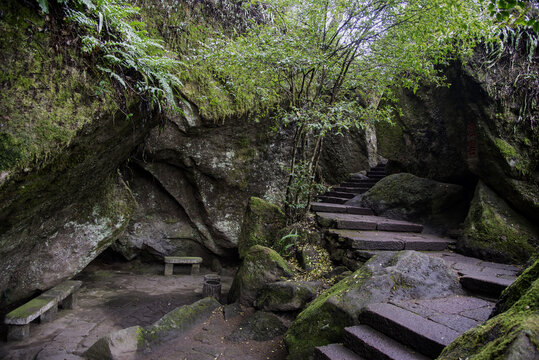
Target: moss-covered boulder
<point>403,275</point>
<point>64,134</point>
<point>285,295</point>
<point>261,225</point>
<point>260,266</point>
<point>408,197</point>
<point>494,231</point>
<point>125,343</point>
<point>512,334</point>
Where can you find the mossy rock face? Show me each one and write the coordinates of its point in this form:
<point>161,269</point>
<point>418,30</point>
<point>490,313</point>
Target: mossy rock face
<point>403,275</point>
<point>260,266</point>
<point>63,138</point>
<point>517,289</point>
<point>494,231</point>
<point>285,296</point>
<point>513,334</point>
<point>261,224</point>
<point>408,197</point>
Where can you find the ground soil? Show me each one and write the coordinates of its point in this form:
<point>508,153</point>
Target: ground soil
<point>122,294</point>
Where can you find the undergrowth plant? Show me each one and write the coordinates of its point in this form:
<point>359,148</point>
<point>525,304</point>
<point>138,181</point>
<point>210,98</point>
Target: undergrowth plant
<point>111,31</point>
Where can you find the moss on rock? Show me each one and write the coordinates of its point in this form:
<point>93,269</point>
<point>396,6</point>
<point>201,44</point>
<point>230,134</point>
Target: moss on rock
<point>260,266</point>
<point>513,334</point>
<point>403,275</point>
<point>261,225</point>
<point>406,196</point>
<point>494,231</point>
<point>285,296</point>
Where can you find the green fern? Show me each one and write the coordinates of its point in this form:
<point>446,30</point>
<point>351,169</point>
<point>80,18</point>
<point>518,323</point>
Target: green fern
<point>112,31</point>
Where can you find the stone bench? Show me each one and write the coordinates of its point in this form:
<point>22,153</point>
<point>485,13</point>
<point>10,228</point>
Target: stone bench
<point>182,260</point>
<point>45,306</point>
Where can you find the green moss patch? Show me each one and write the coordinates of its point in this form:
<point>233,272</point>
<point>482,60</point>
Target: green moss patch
<point>494,231</point>
<point>513,334</point>
<point>46,96</point>
<point>261,224</point>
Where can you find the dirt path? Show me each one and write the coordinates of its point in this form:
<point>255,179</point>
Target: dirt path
<point>117,296</point>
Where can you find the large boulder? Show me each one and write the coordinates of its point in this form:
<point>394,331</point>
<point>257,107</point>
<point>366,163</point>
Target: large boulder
<point>62,201</point>
<point>494,231</point>
<point>260,266</point>
<point>261,225</point>
<point>285,295</point>
<point>470,129</point>
<point>403,275</point>
<point>408,197</point>
<point>513,333</point>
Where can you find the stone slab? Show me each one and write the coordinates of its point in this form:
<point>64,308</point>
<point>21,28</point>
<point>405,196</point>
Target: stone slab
<point>31,310</point>
<point>421,334</point>
<point>186,260</point>
<point>340,194</point>
<point>366,222</point>
<point>340,208</point>
<point>353,190</point>
<point>63,290</point>
<point>335,352</point>
<point>484,284</point>
<point>371,344</point>
<point>332,199</point>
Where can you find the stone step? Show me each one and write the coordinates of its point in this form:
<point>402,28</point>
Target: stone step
<point>487,285</point>
<point>352,190</point>
<point>340,194</point>
<point>419,333</point>
<point>340,208</point>
<point>376,177</point>
<point>396,241</point>
<point>373,345</point>
<point>365,184</point>
<point>332,199</point>
<point>335,352</point>
<point>365,222</point>
<point>367,181</point>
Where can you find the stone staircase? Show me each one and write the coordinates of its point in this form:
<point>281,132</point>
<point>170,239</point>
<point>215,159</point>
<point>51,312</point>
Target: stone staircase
<point>417,329</point>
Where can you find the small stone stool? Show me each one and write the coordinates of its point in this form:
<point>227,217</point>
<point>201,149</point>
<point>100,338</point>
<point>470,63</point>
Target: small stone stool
<point>182,260</point>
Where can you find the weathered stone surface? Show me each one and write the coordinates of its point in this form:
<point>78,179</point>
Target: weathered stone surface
<point>417,332</point>
<point>159,225</point>
<point>408,197</point>
<point>511,334</point>
<point>261,326</point>
<point>124,344</point>
<point>335,352</point>
<point>365,222</point>
<point>403,275</point>
<point>494,231</point>
<point>285,296</point>
<point>261,225</point>
<point>260,266</point>
<point>372,344</point>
